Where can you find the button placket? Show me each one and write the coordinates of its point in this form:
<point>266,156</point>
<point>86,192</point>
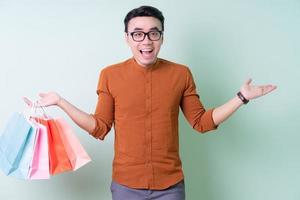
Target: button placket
<point>148,126</point>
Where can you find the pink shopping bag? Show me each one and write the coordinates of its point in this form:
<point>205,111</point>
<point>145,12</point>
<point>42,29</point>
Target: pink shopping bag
<point>76,153</point>
<point>40,163</point>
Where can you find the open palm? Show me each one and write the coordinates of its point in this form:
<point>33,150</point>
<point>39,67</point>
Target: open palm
<point>254,91</point>
<point>47,99</point>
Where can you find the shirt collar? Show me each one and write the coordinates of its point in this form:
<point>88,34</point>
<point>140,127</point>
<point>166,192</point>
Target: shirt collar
<point>142,68</point>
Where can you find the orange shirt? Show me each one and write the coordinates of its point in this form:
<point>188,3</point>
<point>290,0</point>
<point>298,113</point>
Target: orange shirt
<point>143,105</point>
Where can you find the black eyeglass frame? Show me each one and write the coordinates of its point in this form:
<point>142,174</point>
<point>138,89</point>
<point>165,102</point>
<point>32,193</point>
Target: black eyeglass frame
<point>145,34</point>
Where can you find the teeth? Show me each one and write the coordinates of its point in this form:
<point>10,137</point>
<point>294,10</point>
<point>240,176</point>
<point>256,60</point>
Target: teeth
<point>147,51</point>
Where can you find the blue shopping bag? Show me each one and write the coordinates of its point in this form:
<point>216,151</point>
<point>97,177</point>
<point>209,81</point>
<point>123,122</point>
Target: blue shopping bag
<point>23,168</point>
<point>12,142</point>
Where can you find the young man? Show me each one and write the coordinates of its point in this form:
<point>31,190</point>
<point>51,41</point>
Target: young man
<point>141,97</point>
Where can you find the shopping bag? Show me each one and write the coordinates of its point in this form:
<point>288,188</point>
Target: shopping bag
<point>39,168</point>
<point>22,170</point>
<point>58,157</point>
<point>12,142</point>
<point>76,153</point>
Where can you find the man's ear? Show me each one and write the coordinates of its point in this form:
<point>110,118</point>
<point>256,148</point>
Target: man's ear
<point>126,37</point>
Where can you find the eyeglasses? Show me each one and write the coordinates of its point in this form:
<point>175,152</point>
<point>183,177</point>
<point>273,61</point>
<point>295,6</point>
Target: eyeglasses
<point>139,36</point>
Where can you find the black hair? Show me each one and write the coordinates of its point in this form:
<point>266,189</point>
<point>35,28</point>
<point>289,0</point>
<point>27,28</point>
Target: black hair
<point>144,11</point>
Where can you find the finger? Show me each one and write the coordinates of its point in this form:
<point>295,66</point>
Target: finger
<point>248,81</point>
<point>271,88</point>
<point>38,103</point>
<point>27,101</point>
<point>268,88</point>
<point>42,94</point>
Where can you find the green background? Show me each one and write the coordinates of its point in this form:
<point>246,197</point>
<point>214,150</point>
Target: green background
<point>61,45</point>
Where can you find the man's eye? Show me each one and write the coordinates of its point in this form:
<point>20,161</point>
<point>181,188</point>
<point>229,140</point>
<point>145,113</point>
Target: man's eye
<point>154,33</point>
<point>138,34</point>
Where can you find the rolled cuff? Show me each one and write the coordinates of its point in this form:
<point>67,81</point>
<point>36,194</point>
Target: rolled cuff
<point>98,132</point>
<point>207,123</point>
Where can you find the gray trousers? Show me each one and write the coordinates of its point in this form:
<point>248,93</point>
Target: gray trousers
<point>121,192</point>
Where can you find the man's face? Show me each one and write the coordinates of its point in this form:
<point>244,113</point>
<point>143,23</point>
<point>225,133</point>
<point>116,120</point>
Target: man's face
<point>144,52</point>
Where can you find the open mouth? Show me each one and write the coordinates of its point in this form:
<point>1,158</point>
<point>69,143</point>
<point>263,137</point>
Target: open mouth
<point>146,52</point>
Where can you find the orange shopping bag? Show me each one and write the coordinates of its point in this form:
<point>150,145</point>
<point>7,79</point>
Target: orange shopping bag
<point>77,155</point>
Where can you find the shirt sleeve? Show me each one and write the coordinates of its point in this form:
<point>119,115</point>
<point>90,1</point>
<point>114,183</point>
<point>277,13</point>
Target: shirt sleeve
<point>104,113</point>
<point>192,108</point>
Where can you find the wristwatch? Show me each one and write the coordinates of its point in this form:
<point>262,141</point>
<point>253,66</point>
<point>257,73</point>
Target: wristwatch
<point>241,96</point>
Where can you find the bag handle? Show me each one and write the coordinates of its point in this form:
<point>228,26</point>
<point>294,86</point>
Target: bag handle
<point>43,111</point>
<point>32,111</point>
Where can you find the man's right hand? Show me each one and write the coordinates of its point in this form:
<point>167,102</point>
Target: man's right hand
<point>47,99</point>
<point>82,119</point>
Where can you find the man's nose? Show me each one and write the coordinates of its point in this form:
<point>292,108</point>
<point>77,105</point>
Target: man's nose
<point>147,40</point>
